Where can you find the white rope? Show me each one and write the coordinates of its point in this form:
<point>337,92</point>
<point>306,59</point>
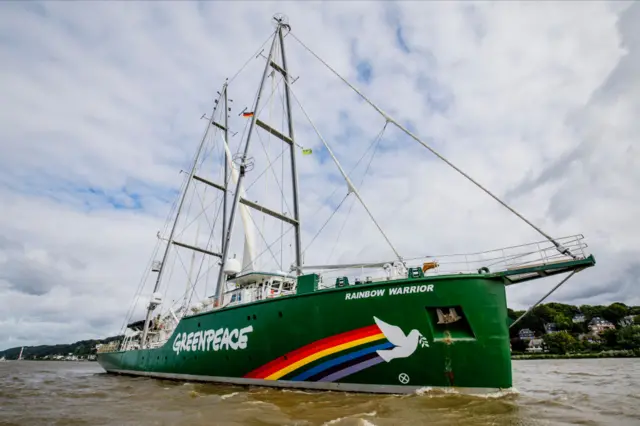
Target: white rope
<point>375,143</point>
<point>252,57</point>
<point>350,185</point>
<point>560,248</point>
<point>325,223</point>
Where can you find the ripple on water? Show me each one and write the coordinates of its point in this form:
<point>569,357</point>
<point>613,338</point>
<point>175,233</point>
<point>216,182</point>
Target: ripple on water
<point>548,392</point>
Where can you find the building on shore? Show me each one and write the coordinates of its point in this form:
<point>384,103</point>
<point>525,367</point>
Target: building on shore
<point>526,334</point>
<point>579,318</point>
<point>597,325</point>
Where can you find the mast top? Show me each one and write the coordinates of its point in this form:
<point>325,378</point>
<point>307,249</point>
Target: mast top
<point>282,20</point>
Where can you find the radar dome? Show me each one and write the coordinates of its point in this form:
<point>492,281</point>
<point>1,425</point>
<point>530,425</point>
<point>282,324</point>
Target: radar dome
<point>232,267</point>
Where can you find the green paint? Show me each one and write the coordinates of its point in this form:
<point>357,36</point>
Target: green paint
<point>472,352</point>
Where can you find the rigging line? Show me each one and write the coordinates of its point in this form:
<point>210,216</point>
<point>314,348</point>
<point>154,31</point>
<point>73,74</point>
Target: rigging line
<point>188,211</point>
<point>204,208</point>
<point>280,80</point>
<point>206,281</point>
<point>168,220</point>
<point>195,242</point>
<point>270,167</point>
<point>337,187</point>
<point>375,144</point>
<point>264,240</point>
<point>326,199</point>
<point>193,290</point>
<point>189,281</point>
<point>487,251</point>
<point>560,248</point>
<point>270,245</point>
<point>250,58</point>
<point>325,223</point>
<point>255,113</point>
<point>172,269</point>
<point>201,199</point>
<point>198,275</point>
<point>199,214</point>
<point>210,138</point>
<point>292,228</point>
<point>265,170</point>
<point>564,280</point>
<point>209,242</point>
<point>215,220</point>
<point>190,203</point>
<point>146,273</point>
<point>139,288</point>
<point>344,175</point>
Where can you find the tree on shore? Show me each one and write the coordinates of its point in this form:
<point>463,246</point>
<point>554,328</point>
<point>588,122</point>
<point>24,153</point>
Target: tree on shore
<point>559,342</point>
<point>576,336</point>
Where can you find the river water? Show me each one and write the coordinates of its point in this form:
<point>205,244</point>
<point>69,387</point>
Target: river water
<point>547,392</point>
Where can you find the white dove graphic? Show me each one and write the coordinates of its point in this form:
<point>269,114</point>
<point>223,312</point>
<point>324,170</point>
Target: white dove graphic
<point>404,345</point>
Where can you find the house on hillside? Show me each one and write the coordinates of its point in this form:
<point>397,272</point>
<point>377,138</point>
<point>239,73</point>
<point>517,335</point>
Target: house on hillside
<point>626,321</point>
<point>550,327</point>
<point>526,334</point>
<point>597,325</point>
<point>578,318</point>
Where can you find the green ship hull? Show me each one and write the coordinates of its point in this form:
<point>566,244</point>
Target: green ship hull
<point>339,339</point>
<point>384,337</point>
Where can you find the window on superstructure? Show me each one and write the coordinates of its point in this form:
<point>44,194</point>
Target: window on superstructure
<point>287,286</point>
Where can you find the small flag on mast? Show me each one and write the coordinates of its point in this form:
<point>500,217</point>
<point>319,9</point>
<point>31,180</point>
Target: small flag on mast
<point>307,151</point>
<point>247,114</point>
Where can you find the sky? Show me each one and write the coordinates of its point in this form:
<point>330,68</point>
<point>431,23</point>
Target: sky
<point>102,105</point>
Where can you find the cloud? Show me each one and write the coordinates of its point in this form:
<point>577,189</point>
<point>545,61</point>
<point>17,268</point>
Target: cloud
<point>99,116</point>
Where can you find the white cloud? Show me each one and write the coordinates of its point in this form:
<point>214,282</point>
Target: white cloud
<point>102,103</point>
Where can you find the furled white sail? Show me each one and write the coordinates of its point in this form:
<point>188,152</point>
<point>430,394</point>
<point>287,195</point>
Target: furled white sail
<point>248,256</point>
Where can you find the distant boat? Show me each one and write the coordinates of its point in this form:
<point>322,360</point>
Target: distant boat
<point>20,356</point>
<point>3,359</point>
<point>393,326</point>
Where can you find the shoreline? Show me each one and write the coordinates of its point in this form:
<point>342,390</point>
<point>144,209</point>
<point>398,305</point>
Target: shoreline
<point>584,355</point>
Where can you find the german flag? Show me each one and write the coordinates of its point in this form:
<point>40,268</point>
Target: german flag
<point>247,114</point>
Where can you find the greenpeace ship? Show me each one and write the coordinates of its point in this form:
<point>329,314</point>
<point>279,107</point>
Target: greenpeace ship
<point>390,327</point>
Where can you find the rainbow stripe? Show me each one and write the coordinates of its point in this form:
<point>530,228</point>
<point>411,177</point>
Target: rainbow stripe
<point>332,369</point>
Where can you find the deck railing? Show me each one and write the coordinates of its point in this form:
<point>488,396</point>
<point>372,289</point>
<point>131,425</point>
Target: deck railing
<point>538,253</point>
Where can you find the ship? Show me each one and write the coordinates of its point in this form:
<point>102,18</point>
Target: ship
<point>391,326</point>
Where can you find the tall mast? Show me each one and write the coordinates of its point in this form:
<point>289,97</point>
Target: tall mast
<point>294,172</point>
<point>153,303</point>
<point>226,176</point>
<point>243,163</point>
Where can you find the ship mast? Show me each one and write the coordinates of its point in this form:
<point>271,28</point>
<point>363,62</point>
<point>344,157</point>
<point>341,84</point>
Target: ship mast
<point>278,39</point>
<point>155,299</point>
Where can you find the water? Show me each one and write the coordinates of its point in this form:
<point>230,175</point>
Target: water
<point>549,392</point>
